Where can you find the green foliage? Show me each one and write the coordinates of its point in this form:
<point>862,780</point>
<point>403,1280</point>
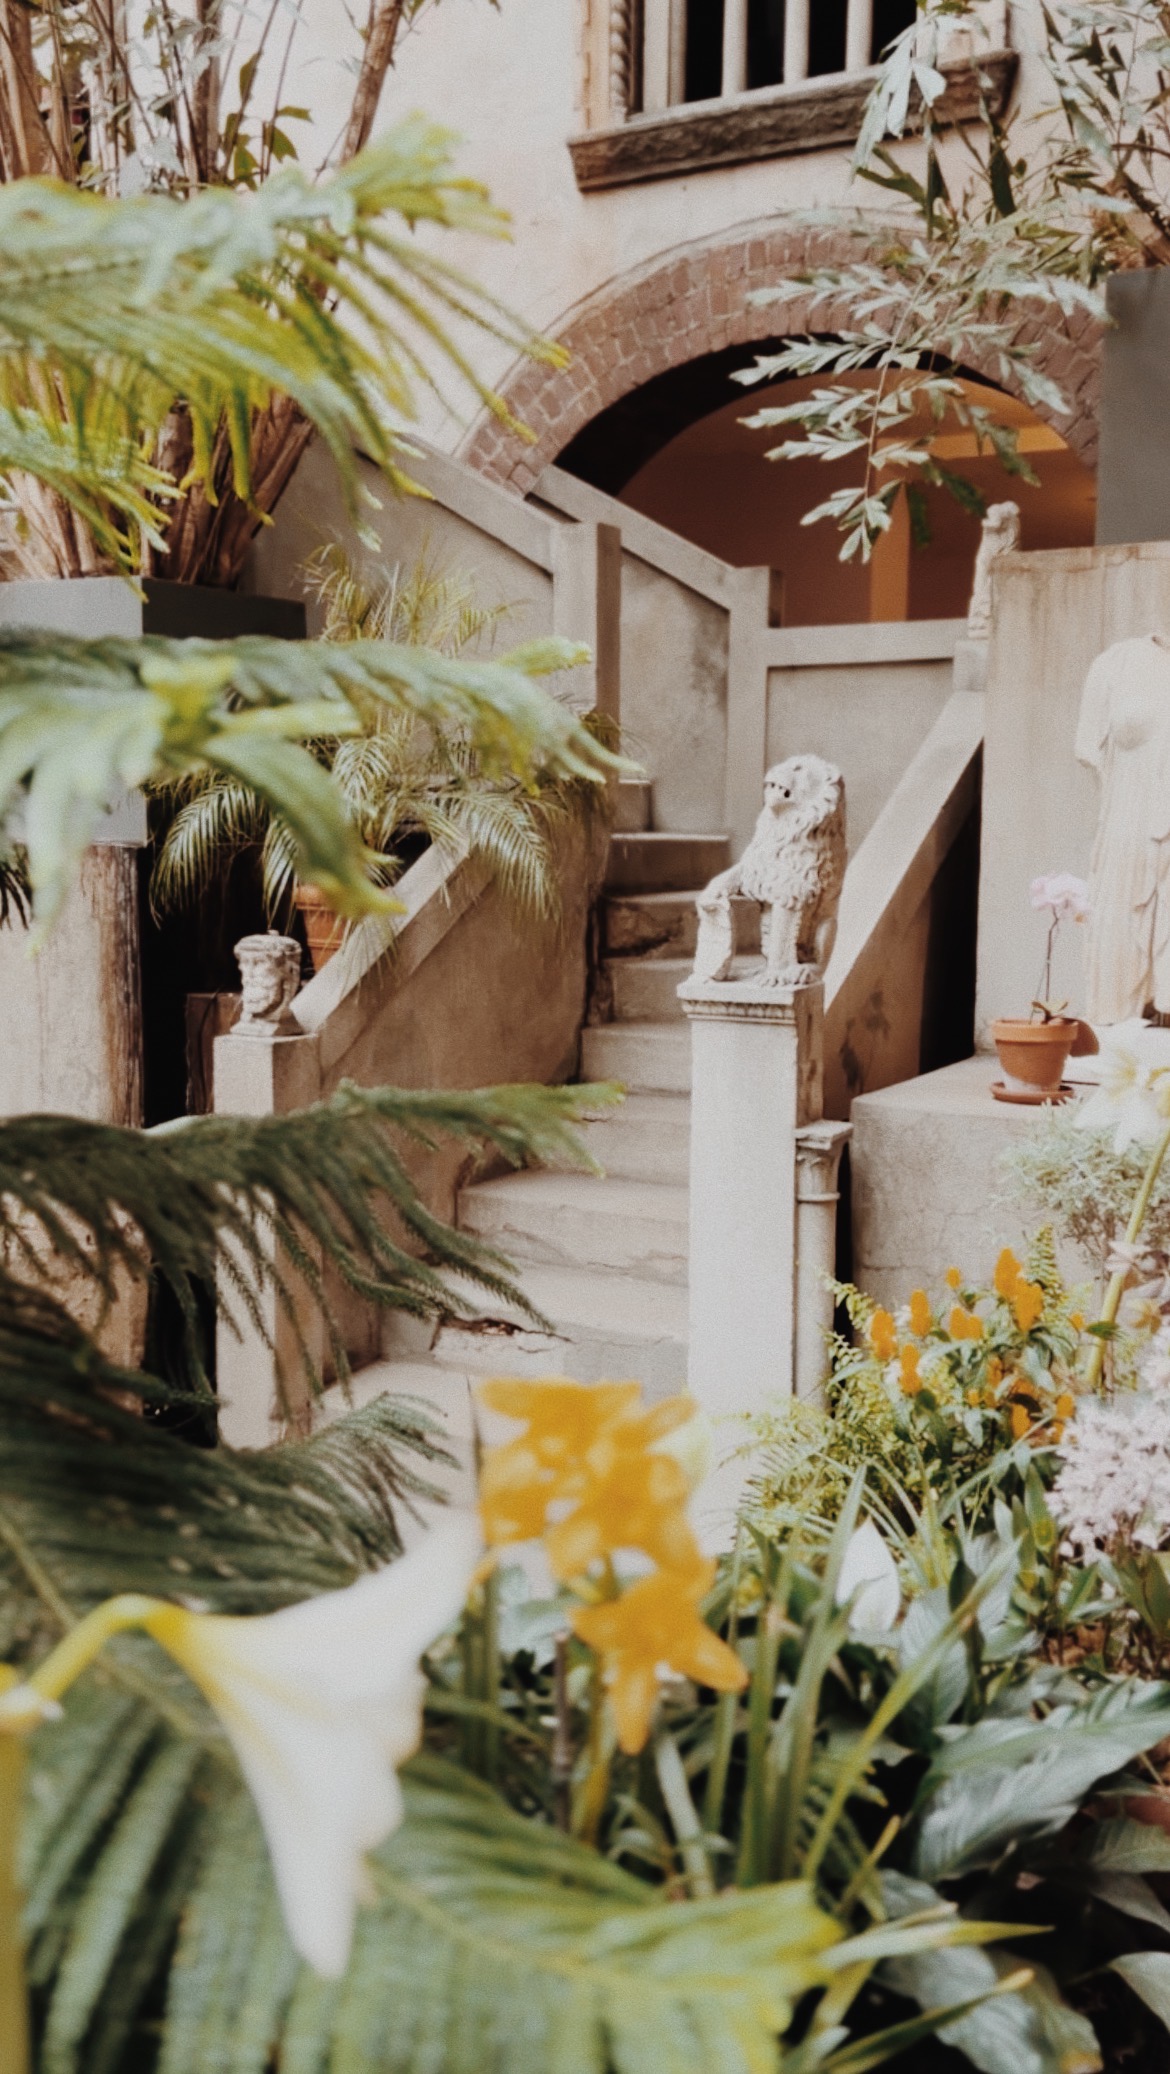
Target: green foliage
<point>1023,220</point>
<point>80,719</point>
<point>92,1204</point>
<point>399,782</point>
<point>113,311</point>
<point>1078,1182</point>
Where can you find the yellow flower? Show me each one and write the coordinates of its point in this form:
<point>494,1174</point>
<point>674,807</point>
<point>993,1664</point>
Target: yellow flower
<point>882,1337</point>
<point>964,1324</point>
<point>549,1462</point>
<point>954,1278</point>
<point>1008,1274</point>
<point>592,1449</point>
<point>638,1502</point>
<point>1065,1406</point>
<point>1021,1421</point>
<point>910,1379</point>
<point>1077,1321</point>
<point>921,1318</point>
<point>656,1622</point>
<point>1027,1305</point>
<point>975,1397</point>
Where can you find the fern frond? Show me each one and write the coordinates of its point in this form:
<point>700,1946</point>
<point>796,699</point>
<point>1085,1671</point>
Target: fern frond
<point>88,1200</point>
<point>78,720</point>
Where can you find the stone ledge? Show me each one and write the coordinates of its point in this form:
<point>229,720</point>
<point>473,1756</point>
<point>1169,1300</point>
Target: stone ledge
<point>770,123</point>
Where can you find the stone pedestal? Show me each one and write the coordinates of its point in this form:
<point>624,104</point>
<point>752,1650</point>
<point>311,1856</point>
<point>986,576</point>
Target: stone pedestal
<point>261,1075</point>
<point>756,1081</point>
<point>928,1193</point>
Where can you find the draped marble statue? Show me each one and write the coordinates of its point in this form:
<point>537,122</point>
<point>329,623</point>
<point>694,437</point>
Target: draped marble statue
<point>1124,736</point>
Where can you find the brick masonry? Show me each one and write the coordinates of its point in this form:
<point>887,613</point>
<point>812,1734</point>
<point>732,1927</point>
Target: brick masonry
<point>696,300</point>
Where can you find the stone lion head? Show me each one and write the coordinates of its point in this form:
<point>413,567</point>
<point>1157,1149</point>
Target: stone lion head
<point>804,789</point>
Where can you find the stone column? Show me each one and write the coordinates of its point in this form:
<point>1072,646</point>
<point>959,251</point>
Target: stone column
<point>818,1164</point>
<point>259,1073</point>
<point>756,1080</point>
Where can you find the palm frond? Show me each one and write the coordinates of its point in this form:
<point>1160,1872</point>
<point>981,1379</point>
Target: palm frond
<point>426,604</point>
<point>78,720</point>
<point>492,1944</point>
<point>111,312</point>
<point>87,1203</point>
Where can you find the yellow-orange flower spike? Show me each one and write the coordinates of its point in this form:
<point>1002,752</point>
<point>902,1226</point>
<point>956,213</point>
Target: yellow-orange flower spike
<point>910,1379</point>
<point>1021,1421</point>
<point>656,1622</point>
<point>965,1325</point>
<point>954,1278</point>
<point>882,1337</point>
<point>1065,1406</point>
<point>1077,1321</point>
<point>1008,1274</point>
<point>921,1316</point>
<point>1027,1305</point>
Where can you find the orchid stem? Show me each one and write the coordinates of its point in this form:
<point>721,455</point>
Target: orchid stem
<point>14,2043</point>
<point>1116,1289</point>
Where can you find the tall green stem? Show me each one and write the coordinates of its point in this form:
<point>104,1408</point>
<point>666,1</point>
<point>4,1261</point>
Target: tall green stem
<point>14,2045</point>
<point>1116,1289</point>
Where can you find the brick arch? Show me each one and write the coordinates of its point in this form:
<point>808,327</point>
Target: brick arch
<point>695,300</point>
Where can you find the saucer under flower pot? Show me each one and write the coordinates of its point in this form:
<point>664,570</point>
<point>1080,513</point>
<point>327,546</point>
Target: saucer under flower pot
<point>1033,1056</point>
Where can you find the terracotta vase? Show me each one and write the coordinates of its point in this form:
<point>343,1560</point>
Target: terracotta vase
<point>323,929</point>
<point>1033,1056</point>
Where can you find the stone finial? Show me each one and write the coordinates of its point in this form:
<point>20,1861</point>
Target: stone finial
<point>1001,534</point>
<point>270,969</point>
<point>793,869</point>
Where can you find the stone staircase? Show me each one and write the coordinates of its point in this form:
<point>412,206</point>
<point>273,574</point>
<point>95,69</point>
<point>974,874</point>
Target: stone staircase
<point>605,1260</point>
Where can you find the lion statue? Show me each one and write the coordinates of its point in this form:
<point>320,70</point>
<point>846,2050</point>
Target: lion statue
<point>793,868</point>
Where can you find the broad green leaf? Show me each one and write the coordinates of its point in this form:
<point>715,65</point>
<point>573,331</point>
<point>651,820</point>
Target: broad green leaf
<point>1032,2030</point>
<point>1148,1974</point>
<point>995,1785</point>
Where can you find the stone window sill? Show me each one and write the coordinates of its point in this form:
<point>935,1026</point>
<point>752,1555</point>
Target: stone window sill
<point>770,123</point>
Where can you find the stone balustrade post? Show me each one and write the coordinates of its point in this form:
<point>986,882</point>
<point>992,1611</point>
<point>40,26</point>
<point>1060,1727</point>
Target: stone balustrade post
<point>763,1202</point>
<point>262,1073</point>
<point>819,1147</point>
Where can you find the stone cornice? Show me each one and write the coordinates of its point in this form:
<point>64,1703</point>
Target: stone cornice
<point>771,123</point>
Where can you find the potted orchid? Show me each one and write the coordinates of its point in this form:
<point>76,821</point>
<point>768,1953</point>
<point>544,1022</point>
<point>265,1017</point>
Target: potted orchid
<point>1033,1050</point>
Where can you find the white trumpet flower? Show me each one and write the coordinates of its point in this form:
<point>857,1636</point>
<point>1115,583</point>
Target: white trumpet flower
<point>321,1703</point>
<point>868,1583</point>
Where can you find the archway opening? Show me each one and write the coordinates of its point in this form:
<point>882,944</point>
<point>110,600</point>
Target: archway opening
<point>680,453</point>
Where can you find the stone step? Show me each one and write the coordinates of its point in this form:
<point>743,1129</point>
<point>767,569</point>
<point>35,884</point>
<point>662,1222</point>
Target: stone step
<point>647,1139</point>
<point>663,863</point>
<point>645,990</point>
<point>650,925</point>
<point>609,1327</point>
<point>644,1057</point>
<point>665,925</point>
<point>633,806</point>
<point>640,1228</point>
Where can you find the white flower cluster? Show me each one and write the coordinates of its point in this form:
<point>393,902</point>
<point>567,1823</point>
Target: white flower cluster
<point>1114,1482</point>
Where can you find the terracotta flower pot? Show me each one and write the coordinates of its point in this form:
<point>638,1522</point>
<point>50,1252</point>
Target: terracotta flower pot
<point>324,930</point>
<point>1033,1055</point>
